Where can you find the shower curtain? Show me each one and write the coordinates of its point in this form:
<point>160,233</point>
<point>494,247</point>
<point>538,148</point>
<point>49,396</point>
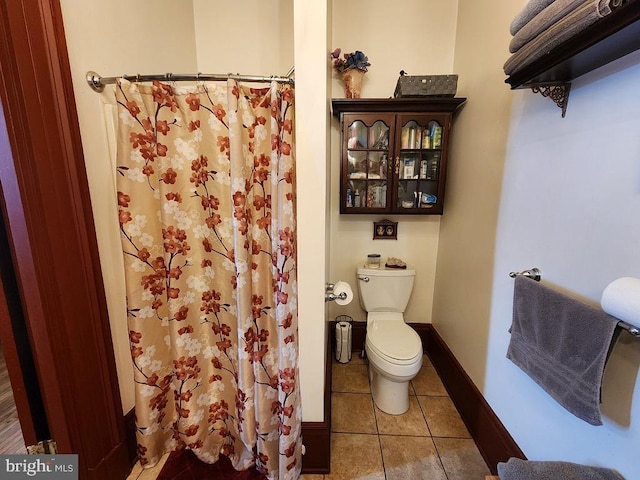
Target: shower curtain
<point>207,220</point>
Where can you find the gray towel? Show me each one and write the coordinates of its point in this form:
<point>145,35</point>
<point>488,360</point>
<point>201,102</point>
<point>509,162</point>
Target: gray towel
<point>530,10</point>
<point>575,22</point>
<point>547,17</point>
<point>562,344</point>
<point>517,469</point>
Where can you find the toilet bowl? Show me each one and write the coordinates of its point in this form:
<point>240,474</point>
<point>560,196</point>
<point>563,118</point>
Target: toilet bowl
<point>394,351</point>
<point>393,348</point>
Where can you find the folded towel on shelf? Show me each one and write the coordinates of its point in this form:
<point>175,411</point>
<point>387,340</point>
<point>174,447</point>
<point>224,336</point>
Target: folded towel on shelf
<point>546,18</point>
<point>562,344</point>
<point>575,22</point>
<point>530,10</point>
<point>517,469</point>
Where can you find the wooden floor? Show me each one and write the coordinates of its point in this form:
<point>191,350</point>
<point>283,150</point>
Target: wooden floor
<point>11,440</point>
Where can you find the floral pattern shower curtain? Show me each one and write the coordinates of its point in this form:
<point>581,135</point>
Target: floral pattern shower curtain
<point>206,208</point>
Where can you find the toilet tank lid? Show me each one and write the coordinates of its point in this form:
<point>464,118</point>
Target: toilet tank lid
<point>387,272</point>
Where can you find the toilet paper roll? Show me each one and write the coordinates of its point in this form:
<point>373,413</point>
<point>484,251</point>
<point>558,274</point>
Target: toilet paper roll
<point>346,288</point>
<point>621,299</point>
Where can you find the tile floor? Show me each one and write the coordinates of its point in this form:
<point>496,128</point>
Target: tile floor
<point>430,441</point>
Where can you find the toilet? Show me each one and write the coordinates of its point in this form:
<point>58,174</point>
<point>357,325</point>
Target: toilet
<point>393,348</point>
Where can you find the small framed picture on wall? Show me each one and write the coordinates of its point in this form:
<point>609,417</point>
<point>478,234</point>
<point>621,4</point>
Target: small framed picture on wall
<point>385,230</point>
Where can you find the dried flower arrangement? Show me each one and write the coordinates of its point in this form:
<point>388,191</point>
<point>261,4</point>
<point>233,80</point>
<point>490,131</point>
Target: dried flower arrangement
<point>357,60</point>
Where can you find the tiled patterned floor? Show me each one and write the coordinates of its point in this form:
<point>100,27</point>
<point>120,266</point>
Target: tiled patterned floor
<point>430,441</point>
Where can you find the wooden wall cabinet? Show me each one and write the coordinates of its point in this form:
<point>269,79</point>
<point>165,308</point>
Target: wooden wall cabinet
<point>394,153</point>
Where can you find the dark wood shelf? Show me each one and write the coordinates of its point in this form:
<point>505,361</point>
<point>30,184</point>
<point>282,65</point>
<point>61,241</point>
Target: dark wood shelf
<point>396,105</point>
<point>610,38</point>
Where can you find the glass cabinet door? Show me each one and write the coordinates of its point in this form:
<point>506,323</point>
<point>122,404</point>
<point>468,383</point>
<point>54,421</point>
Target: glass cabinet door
<point>394,154</point>
<point>418,163</point>
<point>367,155</point>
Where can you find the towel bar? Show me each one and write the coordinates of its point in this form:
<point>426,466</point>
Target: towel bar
<point>536,274</point>
<point>533,274</point>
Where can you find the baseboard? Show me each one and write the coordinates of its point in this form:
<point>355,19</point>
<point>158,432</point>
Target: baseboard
<point>492,438</point>
<point>130,435</point>
<point>423,330</point>
<point>316,436</point>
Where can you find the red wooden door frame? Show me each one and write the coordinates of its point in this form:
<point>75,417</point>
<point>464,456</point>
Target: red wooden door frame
<point>46,204</point>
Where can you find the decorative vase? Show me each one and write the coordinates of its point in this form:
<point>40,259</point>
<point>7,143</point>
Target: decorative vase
<point>353,82</point>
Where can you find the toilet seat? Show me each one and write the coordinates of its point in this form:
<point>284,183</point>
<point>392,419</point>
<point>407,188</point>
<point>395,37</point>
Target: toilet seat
<point>394,341</point>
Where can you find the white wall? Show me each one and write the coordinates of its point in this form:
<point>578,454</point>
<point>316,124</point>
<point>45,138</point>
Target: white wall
<point>310,31</point>
<point>244,36</point>
<point>530,189</point>
<point>416,36</point>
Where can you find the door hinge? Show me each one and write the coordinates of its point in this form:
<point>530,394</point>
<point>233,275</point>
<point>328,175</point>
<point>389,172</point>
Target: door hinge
<point>46,447</point>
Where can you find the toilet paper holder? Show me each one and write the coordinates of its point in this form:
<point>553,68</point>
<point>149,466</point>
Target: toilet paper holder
<point>632,329</point>
<point>329,296</point>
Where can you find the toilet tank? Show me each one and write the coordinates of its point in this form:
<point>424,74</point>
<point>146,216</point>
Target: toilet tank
<point>387,289</point>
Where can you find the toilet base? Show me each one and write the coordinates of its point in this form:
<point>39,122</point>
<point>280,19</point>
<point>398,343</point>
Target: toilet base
<point>389,396</point>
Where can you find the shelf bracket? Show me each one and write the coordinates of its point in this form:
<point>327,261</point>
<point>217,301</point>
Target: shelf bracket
<point>556,91</point>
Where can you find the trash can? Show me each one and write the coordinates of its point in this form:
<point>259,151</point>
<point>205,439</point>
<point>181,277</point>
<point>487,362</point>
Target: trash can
<point>344,327</point>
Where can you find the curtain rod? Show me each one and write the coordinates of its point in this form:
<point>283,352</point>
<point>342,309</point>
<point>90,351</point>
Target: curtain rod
<point>97,82</point>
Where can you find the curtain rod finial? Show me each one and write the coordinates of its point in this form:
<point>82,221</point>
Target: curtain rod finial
<point>95,81</point>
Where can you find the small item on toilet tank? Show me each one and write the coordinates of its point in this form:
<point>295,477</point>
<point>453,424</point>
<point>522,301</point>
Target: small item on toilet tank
<point>393,262</point>
<point>373,260</point>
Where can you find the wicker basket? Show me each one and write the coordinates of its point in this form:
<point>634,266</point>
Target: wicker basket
<point>426,86</point>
